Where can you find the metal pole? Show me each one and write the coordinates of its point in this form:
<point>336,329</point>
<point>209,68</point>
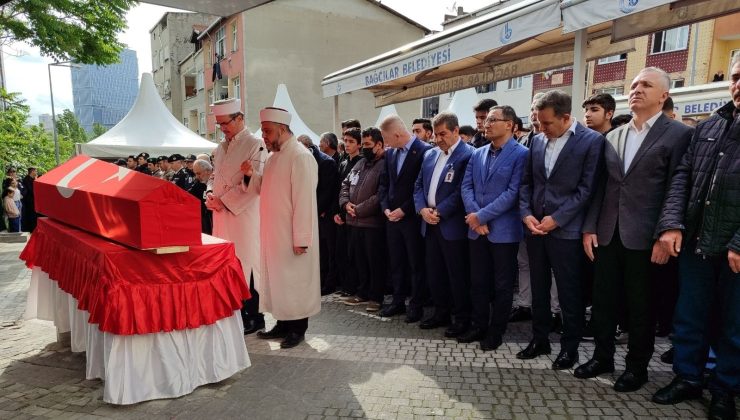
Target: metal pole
<point>53,118</point>
<point>579,73</point>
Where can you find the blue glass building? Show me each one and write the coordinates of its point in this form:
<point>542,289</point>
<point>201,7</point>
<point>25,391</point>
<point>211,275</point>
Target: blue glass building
<point>105,94</point>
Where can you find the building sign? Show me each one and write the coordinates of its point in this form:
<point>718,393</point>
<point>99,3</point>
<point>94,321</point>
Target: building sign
<point>503,30</point>
<point>700,107</point>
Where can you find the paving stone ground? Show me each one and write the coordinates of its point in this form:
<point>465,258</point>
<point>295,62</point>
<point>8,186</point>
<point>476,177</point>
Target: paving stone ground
<point>353,365</point>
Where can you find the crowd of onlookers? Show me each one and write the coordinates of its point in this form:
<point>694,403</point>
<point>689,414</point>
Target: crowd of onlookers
<point>18,211</point>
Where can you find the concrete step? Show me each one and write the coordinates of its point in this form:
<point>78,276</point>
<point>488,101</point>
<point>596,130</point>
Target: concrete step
<point>13,238</point>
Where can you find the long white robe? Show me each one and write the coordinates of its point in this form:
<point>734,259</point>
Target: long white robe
<point>291,286</point>
<point>239,224</point>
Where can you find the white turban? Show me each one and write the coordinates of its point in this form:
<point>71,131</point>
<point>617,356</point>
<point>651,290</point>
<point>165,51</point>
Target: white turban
<point>275,115</point>
<point>227,107</point>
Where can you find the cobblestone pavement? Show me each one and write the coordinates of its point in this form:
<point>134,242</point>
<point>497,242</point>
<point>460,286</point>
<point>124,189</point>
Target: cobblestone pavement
<point>352,365</point>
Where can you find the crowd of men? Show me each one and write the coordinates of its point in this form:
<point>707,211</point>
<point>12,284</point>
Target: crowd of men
<point>634,219</point>
<point>567,219</point>
<point>18,210</point>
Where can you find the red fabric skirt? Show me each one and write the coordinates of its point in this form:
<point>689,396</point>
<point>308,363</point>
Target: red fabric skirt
<point>128,291</point>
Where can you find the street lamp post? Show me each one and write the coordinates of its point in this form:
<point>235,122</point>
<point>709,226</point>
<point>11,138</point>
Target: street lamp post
<point>53,114</point>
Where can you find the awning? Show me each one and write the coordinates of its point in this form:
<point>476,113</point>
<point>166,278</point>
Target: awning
<point>213,7</point>
<point>451,50</point>
<point>580,14</point>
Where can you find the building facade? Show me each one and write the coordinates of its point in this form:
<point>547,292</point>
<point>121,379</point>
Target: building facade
<point>104,94</point>
<point>691,54</point>
<point>255,53</point>
<point>170,45</point>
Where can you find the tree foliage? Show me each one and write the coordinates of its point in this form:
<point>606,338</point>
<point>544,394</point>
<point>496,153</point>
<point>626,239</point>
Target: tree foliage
<point>23,145</point>
<point>97,131</point>
<point>68,126</point>
<point>84,31</point>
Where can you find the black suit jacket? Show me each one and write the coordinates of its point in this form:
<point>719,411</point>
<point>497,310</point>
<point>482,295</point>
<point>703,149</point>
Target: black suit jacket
<point>327,191</point>
<point>566,194</point>
<point>396,189</point>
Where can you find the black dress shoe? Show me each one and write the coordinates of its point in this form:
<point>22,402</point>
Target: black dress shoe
<point>275,332</point>
<point>291,340</point>
<point>593,368</point>
<point>677,391</point>
<point>473,334</point>
<point>434,322</point>
<point>667,357</point>
<point>722,406</point>
<point>565,360</point>
<point>455,330</point>
<point>534,349</point>
<point>413,315</point>
<point>491,343</point>
<point>520,313</point>
<point>253,325</point>
<point>393,309</point>
<point>630,381</point>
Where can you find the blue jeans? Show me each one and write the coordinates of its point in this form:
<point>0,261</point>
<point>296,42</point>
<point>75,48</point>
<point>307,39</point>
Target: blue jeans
<point>707,287</point>
<point>14,224</point>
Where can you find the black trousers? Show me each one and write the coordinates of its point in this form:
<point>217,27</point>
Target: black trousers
<point>251,308</point>
<point>665,291</point>
<point>447,274</point>
<point>406,258</point>
<point>298,326</point>
<point>494,268</point>
<point>327,242</point>
<point>563,258</point>
<point>618,267</point>
<point>369,260</point>
<point>345,267</point>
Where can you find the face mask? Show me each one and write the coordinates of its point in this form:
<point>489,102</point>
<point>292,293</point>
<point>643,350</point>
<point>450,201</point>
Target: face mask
<point>367,153</point>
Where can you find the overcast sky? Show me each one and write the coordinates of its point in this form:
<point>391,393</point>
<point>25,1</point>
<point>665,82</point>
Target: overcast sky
<point>26,71</point>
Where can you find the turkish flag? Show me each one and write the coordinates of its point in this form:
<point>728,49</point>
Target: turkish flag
<point>117,203</point>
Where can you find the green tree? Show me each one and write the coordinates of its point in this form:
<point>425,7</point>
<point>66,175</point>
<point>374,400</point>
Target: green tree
<point>22,145</point>
<point>97,130</point>
<point>68,126</point>
<point>84,31</point>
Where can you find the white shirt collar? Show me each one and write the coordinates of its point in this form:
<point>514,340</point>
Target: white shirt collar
<point>452,148</point>
<point>648,124</point>
<point>571,129</point>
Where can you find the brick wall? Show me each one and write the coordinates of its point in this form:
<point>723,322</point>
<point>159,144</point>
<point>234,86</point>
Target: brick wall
<point>555,80</point>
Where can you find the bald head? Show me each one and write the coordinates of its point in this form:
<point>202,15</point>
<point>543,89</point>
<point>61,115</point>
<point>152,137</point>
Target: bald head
<point>394,131</point>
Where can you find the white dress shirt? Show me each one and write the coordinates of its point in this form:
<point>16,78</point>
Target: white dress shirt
<point>555,146</point>
<point>635,137</point>
<point>439,167</point>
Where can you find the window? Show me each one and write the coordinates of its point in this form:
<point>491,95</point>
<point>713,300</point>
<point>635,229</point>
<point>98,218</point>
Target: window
<point>155,60</point>
<point>491,87</point>
<point>612,59</point>
<point>237,87</point>
<point>221,42</point>
<point>166,52</point>
<point>677,83</point>
<point>211,98</point>
<point>430,107</point>
<point>614,90</point>
<point>515,83</point>
<point>234,40</point>
<point>185,122</point>
<point>202,123</point>
<point>161,58</point>
<point>670,40</point>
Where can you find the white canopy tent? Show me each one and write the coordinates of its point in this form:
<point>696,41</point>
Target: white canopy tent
<point>297,126</point>
<point>148,127</point>
<point>385,112</point>
<point>462,105</point>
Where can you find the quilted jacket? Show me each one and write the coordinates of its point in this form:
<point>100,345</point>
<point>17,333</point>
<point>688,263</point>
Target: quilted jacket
<point>704,196</point>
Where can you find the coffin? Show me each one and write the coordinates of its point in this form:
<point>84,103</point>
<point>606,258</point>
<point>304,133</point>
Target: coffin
<point>119,204</point>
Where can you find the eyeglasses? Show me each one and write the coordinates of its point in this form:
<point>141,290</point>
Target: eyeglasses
<point>227,122</point>
<point>493,120</point>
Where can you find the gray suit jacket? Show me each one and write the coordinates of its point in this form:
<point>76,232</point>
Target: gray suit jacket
<point>633,199</point>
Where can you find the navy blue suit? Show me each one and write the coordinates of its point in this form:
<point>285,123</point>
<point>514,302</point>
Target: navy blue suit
<point>565,196</point>
<point>491,191</point>
<point>446,257</point>
<point>405,247</point>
